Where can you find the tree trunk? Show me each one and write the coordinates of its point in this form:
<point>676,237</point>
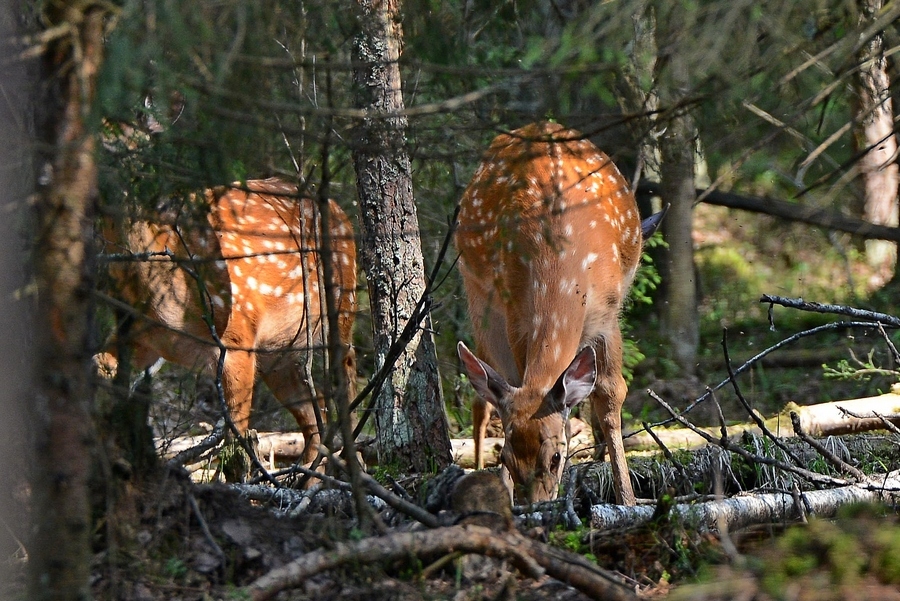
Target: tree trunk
<point>676,149</point>
<point>878,167</point>
<point>411,424</point>
<point>640,96</point>
<point>59,556</point>
<point>16,366</point>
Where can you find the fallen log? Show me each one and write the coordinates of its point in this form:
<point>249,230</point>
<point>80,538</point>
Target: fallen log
<point>824,419</point>
<point>746,510</point>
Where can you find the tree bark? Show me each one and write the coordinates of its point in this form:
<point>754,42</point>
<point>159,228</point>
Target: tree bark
<point>740,512</point>
<point>875,131</point>
<point>59,556</point>
<point>676,149</point>
<point>532,558</point>
<point>16,365</point>
<point>411,424</point>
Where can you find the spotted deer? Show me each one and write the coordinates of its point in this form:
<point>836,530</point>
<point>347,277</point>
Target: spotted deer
<point>549,239</point>
<point>251,263</point>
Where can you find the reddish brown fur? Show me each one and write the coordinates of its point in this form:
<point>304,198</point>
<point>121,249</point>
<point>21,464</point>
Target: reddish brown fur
<point>255,251</point>
<point>549,238</point>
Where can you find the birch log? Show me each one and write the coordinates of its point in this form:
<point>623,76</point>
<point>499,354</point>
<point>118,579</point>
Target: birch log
<point>742,511</point>
<point>825,419</point>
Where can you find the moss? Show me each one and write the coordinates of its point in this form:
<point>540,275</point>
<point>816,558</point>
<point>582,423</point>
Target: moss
<point>862,542</point>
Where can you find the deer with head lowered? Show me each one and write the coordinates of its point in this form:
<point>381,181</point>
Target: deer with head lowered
<point>251,268</point>
<point>549,239</point>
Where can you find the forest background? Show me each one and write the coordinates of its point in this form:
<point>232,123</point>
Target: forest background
<point>714,107</point>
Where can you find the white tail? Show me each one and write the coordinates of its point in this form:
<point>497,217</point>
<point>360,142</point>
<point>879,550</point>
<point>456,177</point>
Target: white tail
<point>549,240</point>
<point>252,262</point>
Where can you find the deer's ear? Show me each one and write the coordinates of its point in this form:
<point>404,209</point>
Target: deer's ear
<point>489,385</point>
<point>575,383</point>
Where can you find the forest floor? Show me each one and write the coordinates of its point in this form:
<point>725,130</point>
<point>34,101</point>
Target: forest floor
<point>185,541</point>
<point>178,541</point>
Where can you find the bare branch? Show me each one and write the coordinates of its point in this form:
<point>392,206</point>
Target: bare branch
<point>830,457</point>
<point>729,446</point>
<point>799,303</point>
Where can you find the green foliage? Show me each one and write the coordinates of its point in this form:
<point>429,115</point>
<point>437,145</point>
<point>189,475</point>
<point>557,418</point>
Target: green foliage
<point>861,541</point>
<point>576,541</point>
<point>175,568</point>
<point>865,369</point>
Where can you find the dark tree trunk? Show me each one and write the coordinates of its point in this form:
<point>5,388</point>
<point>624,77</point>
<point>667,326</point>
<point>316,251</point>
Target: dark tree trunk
<point>410,419</point>
<point>676,150</point>
<point>16,367</point>
<point>878,167</point>
<point>60,553</point>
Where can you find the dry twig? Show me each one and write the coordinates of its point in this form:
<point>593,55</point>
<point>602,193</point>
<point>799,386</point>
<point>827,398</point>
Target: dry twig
<point>729,446</point>
<point>830,457</point>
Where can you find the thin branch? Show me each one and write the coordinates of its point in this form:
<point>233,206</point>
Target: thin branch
<point>401,505</point>
<point>838,325</point>
<point>830,457</point>
<point>419,312</point>
<point>760,423</point>
<point>198,450</point>
<point>885,419</point>
<point>204,527</point>
<point>667,453</point>
<point>890,344</point>
<point>799,303</point>
<point>729,446</point>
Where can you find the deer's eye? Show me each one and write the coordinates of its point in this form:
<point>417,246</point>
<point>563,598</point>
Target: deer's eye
<point>556,459</point>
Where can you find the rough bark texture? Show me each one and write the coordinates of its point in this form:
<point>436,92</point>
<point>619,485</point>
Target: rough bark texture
<point>410,421</point>
<point>60,551</point>
<point>878,167</point>
<point>16,181</point>
<point>676,148</point>
<point>532,558</point>
<point>639,94</point>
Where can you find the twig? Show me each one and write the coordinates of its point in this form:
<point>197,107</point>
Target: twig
<point>204,527</point>
<point>760,423</point>
<point>571,518</point>
<point>887,423</point>
<point>311,473</point>
<point>799,501</point>
<point>890,344</point>
<point>401,505</point>
<point>885,419</point>
<point>420,311</point>
<point>799,303</point>
<point>723,428</point>
<point>838,325</point>
<point>729,446</point>
<point>830,457</point>
<point>666,452</point>
<point>199,449</point>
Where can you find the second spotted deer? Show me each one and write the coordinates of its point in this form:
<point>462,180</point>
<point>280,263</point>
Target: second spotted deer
<point>549,239</point>
<point>245,260</point>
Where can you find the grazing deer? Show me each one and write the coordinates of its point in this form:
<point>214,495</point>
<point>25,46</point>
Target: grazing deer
<point>250,265</point>
<point>549,239</point>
